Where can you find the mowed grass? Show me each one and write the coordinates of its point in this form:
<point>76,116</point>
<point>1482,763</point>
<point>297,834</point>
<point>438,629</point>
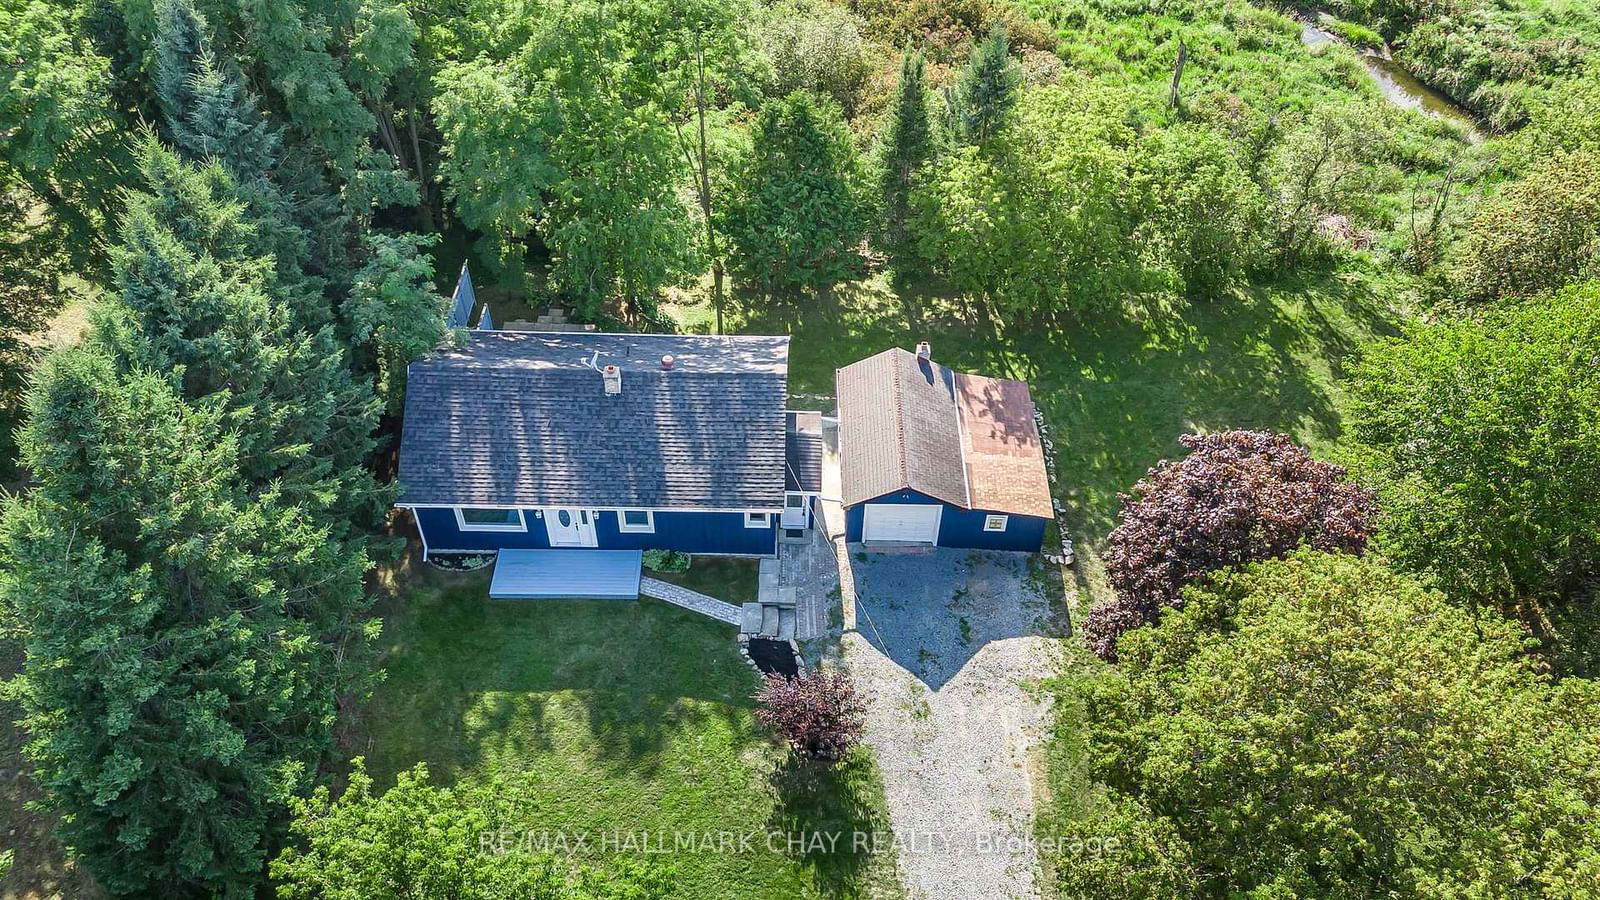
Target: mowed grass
<point>612,718</point>
<point>729,578</point>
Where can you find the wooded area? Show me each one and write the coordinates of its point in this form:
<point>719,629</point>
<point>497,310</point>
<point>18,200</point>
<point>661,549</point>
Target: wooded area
<point>1364,665</point>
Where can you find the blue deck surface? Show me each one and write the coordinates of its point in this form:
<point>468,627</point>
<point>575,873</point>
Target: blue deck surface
<point>582,574</point>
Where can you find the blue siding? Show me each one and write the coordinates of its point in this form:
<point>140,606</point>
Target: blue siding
<point>592,574</point>
<point>690,532</point>
<point>960,528</point>
<point>463,300</point>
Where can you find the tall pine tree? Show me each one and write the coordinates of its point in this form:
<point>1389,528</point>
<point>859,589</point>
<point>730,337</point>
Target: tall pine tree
<point>795,218</point>
<point>907,144</point>
<point>203,297</point>
<point>187,574</point>
<point>981,100</point>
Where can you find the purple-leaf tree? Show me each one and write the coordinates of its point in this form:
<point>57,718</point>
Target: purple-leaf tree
<point>1238,497</point>
<point>818,713</point>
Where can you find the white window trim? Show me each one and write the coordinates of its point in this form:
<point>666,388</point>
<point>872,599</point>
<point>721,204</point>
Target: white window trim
<point>649,527</point>
<point>766,519</point>
<point>463,525</point>
<point>990,517</point>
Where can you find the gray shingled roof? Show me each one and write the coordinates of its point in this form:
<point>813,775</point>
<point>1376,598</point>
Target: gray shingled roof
<point>964,439</point>
<point>519,418</point>
<point>804,469</point>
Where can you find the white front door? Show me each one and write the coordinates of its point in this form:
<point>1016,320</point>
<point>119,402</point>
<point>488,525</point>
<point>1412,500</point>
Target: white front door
<point>901,523</point>
<point>569,527</point>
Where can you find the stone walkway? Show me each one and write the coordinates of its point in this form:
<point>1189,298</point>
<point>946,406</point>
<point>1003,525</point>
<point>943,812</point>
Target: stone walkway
<point>812,571</point>
<point>690,600</point>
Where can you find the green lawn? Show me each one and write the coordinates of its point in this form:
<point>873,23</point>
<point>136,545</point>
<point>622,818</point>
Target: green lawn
<point>610,717</point>
<point>1116,390</point>
<point>724,577</point>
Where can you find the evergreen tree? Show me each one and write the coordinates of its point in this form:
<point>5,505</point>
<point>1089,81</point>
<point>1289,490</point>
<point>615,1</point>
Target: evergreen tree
<point>984,94</point>
<point>202,296</point>
<point>206,111</point>
<point>795,219</point>
<point>186,634</point>
<point>907,144</point>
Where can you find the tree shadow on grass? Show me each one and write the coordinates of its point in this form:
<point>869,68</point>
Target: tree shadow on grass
<point>829,819</point>
<point>472,680</point>
<point>1120,390</point>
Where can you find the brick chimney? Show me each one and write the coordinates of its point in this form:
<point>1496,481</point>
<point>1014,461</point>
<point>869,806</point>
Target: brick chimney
<point>924,350</point>
<point>613,379</point>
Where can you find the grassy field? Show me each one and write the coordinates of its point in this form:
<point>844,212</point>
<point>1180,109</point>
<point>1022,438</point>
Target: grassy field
<point>611,717</point>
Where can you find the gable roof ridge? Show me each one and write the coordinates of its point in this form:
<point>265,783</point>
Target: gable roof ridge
<point>957,400</point>
<point>900,419</point>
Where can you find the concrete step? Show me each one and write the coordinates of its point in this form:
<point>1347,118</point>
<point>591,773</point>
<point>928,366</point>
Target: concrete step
<point>750,618</point>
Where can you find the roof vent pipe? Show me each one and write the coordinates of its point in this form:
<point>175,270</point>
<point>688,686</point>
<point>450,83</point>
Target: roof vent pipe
<point>666,363</point>
<point>613,380</point>
<point>924,350</point>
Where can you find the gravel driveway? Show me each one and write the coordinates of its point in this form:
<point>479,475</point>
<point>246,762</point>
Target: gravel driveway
<point>945,645</point>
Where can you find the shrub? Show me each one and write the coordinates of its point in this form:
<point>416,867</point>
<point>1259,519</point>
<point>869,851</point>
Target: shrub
<point>1543,230</point>
<point>818,713</point>
<point>817,47</point>
<point>947,27</point>
<point>666,561</point>
<point>1238,497</point>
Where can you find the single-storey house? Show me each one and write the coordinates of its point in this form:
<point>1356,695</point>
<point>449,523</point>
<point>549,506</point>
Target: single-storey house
<point>929,455</point>
<point>534,440</point>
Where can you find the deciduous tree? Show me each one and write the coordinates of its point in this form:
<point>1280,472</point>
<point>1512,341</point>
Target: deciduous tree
<point>416,841</point>
<point>1238,497</point>
<point>1041,221</point>
<point>395,313</point>
<point>570,139</point>
<point>1313,726</point>
<point>1483,439</point>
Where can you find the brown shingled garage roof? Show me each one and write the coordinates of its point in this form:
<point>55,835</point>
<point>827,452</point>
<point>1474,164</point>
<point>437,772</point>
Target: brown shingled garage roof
<point>907,423</point>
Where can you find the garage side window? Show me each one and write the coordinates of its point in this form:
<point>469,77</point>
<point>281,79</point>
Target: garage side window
<point>995,523</point>
<point>757,520</point>
<point>489,518</point>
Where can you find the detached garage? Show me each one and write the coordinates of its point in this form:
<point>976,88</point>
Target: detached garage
<point>931,456</point>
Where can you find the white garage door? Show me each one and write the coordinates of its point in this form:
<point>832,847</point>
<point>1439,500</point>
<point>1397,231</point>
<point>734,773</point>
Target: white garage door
<point>901,522</point>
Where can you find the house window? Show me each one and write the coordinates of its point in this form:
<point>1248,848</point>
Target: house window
<point>757,520</point>
<point>995,523</point>
<point>638,521</point>
<point>489,518</point>
<point>794,501</point>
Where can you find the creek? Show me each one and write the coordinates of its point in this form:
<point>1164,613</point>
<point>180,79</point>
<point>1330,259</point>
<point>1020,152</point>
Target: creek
<point>1398,85</point>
